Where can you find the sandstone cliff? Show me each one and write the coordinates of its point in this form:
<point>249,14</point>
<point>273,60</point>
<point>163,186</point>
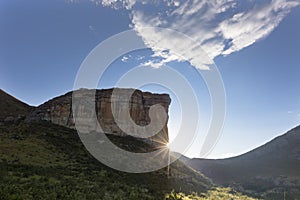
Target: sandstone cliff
<point>59,111</point>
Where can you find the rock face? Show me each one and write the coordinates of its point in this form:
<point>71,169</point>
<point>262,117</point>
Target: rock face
<point>59,110</point>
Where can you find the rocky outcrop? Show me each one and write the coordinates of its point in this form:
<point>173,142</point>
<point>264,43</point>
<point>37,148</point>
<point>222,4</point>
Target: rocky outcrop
<point>59,110</point>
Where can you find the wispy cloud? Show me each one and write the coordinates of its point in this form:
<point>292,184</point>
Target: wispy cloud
<point>124,59</point>
<point>219,27</point>
<point>91,28</point>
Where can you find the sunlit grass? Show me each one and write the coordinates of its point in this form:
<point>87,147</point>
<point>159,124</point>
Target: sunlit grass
<point>214,194</point>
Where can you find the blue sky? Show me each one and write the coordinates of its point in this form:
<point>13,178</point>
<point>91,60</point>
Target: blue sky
<point>254,44</point>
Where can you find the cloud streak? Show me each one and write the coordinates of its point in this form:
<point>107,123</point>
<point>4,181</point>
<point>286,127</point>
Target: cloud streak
<point>219,27</point>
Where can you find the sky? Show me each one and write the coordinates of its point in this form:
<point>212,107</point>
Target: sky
<point>254,44</point>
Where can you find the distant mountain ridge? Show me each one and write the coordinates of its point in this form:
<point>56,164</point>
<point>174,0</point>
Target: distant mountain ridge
<point>271,168</point>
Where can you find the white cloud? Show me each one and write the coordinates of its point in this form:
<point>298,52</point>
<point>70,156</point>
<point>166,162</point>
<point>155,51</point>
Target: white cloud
<point>138,58</point>
<point>153,63</point>
<point>219,27</point>
<point>246,28</point>
<point>116,3</point>
<point>178,47</point>
<point>124,59</point>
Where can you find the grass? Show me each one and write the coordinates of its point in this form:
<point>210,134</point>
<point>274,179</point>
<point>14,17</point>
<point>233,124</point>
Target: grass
<point>213,194</point>
<point>46,161</point>
<point>11,107</point>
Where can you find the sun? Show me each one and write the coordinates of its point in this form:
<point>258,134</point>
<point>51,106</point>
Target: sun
<point>168,145</point>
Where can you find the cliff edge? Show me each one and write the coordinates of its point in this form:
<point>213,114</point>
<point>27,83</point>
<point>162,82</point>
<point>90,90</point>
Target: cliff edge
<point>59,111</point>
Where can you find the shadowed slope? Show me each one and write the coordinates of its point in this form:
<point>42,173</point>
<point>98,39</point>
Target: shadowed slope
<point>11,108</point>
<point>274,166</point>
<point>37,159</point>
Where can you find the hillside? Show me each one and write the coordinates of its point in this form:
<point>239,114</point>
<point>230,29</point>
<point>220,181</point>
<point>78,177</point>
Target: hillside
<point>47,158</point>
<point>11,108</point>
<point>270,170</point>
<point>46,161</point>
<point>41,160</point>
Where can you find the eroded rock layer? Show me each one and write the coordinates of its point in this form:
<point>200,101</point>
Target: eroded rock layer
<point>59,110</point>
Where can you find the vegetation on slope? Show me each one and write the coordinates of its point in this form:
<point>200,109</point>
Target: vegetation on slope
<point>213,194</point>
<point>11,107</point>
<point>46,161</point>
<point>270,171</point>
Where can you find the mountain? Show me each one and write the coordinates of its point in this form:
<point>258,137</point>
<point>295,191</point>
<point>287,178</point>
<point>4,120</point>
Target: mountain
<point>11,108</point>
<point>59,110</point>
<point>271,170</point>
<point>43,160</point>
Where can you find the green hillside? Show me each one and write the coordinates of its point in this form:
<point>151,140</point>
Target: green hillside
<point>46,161</point>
